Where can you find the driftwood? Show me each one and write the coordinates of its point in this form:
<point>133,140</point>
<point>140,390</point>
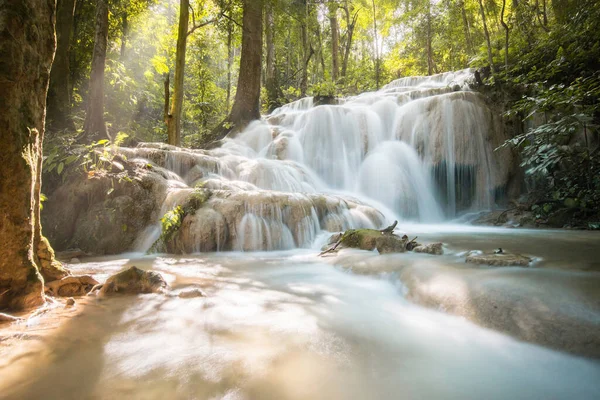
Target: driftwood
<point>332,248</point>
<point>390,228</point>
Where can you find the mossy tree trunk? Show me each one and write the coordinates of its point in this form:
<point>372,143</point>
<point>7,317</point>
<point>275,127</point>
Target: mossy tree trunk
<point>27,45</point>
<point>94,126</point>
<point>58,115</point>
<point>246,106</point>
<point>174,117</point>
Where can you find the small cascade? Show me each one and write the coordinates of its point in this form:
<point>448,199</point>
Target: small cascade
<point>421,149</point>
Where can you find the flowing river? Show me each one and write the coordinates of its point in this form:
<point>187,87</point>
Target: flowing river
<point>291,325</point>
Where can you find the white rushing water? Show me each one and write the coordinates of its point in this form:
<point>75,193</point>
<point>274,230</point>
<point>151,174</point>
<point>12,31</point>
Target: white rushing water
<point>421,149</point>
<point>280,326</point>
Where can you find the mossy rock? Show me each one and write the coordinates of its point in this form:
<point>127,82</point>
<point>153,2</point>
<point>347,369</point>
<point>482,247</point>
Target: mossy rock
<point>134,281</point>
<point>370,239</point>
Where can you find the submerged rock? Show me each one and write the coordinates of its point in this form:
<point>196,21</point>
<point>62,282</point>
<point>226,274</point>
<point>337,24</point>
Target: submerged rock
<point>191,293</point>
<point>8,318</point>
<point>502,259</point>
<point>433,248</point>
<point>134,281</point>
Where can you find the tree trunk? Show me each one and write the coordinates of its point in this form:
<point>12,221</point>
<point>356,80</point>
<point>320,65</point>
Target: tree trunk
<point>307,50</point>
<point>506,33</point>
<point>487,35</point>
<point>174,120</point>
<point>94,125</point>
<point>376,45</point>
<point>229,60</point>
<point>429,34</point>
<point>27,45</point>
<point>335,40</point>
<point>58,114</point>
<point>124,33</point>
<point>270,82</point>
<point>167,97</point>
<point>466,27</point>
<point>246,107</point>
<point>350,23</point>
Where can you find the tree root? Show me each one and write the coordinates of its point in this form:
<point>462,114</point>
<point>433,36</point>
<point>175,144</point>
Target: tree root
<point>73,285</point>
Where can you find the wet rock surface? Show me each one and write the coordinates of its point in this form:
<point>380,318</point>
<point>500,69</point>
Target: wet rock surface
<point>133,281</point>
<point>503,259</point>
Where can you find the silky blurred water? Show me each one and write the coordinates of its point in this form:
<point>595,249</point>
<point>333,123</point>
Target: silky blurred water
<point>287,325</point>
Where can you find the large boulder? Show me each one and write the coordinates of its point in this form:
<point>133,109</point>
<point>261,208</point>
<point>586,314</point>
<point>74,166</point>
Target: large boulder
<point>104,213</point>
<point>133,281</point>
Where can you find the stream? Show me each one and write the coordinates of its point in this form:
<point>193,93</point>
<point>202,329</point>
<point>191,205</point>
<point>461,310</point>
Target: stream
<point>290,325</point>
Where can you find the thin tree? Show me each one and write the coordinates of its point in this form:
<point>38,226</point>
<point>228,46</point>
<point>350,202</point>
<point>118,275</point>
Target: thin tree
<point>466,27</point>
<point>376,40</point>
<point>26,60</point>
<point>430,65</point>
<point>174,117</point>
<point>487,35</point>
<point>270,81</point>
<point>351,20</point>
<point>506,33</point>
<point>335,40</point>
<point>94,126</point>
<point>307,49</point>
<point>58,115</point>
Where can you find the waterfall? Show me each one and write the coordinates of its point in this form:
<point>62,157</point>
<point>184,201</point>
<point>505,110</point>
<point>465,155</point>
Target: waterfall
<point>421,149</point>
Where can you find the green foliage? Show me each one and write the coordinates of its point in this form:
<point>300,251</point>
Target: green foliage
<point>172,220</point>
<point>324,89</point>
<point>170,223</point>
<point>96,158</point>
<point>561,110</point>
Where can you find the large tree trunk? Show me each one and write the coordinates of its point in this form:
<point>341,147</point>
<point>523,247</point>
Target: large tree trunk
<point>27,45</point>
<point>246,107</point>
<point>487,35</point>
<point>95,127</point>
<point>174,120</point>
<point>58,114</point>
<point>271,81</point>
<point>335,40</point>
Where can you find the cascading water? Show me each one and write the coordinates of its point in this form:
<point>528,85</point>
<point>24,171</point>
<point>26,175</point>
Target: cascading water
<point>420,149</point>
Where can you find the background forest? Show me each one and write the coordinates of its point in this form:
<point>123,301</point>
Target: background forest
<point>537,59</point>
